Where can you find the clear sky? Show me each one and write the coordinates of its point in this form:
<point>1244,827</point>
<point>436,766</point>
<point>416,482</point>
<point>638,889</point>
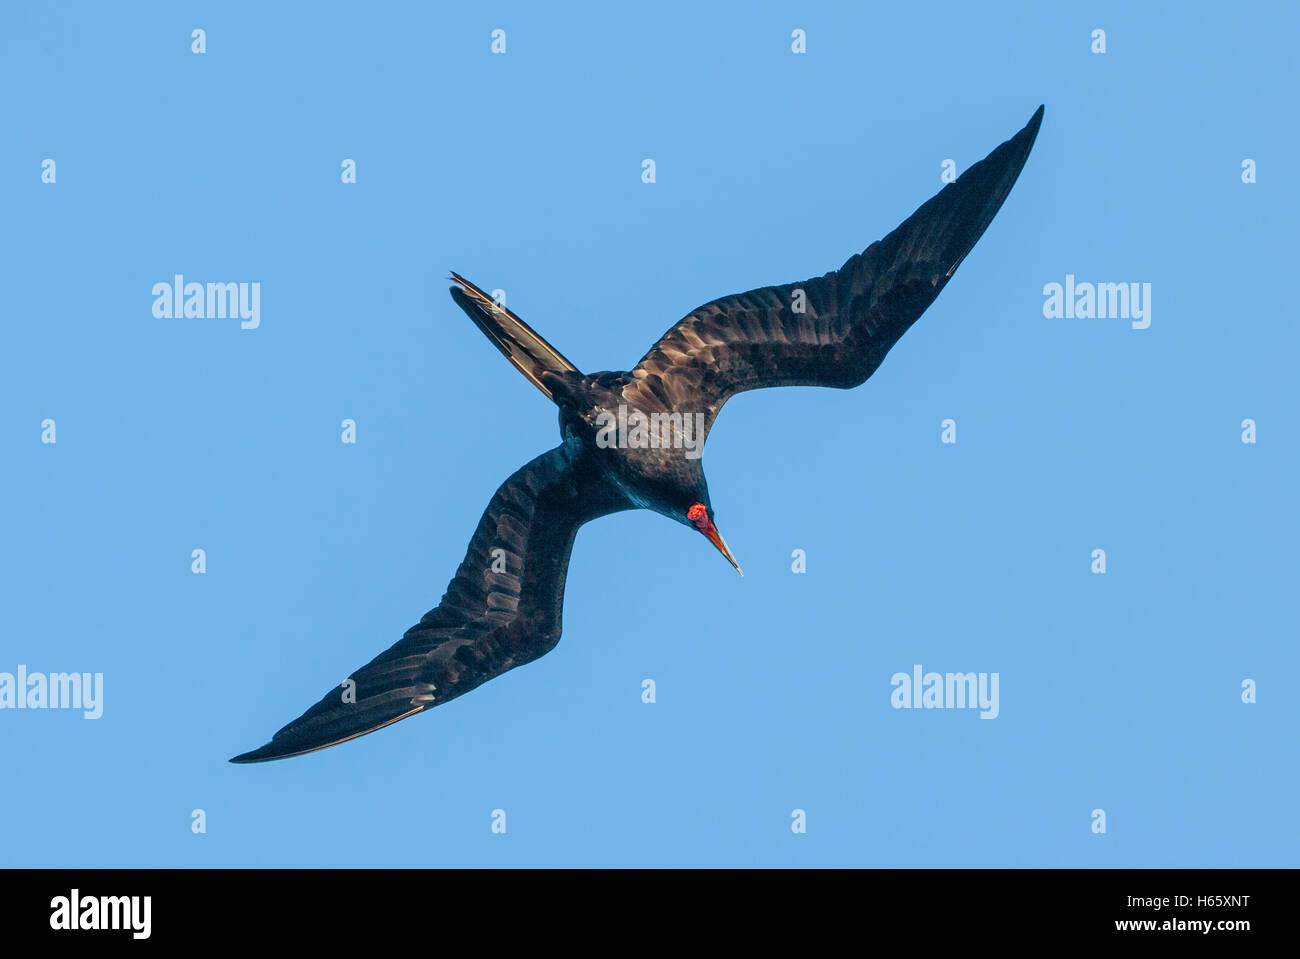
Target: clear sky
<point>1120,691</point>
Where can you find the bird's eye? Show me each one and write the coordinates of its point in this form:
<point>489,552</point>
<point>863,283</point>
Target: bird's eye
<point>698,514</point>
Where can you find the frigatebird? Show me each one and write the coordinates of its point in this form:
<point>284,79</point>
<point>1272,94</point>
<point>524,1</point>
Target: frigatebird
<point>502,608</point>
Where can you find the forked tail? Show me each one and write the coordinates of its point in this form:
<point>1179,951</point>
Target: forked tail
<point>518,342</point>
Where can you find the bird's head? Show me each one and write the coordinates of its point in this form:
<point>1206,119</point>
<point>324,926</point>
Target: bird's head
<point>701,517</point>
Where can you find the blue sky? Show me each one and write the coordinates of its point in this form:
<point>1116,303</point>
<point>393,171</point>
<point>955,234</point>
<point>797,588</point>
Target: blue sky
<point>1120,692</point>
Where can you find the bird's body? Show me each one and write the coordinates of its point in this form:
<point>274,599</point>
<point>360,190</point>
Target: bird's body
<point>632,440</point>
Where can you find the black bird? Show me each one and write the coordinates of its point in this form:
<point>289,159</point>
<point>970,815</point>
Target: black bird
<point>502,609</point>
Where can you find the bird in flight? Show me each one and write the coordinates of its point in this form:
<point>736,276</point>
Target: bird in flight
<point>631,440</point>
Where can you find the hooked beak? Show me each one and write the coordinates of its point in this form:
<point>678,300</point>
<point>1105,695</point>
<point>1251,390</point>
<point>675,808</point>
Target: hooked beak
<point>716,539</point>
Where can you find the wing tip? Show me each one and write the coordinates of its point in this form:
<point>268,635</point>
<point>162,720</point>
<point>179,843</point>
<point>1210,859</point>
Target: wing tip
<point>304,745</point>
<point>1031,128</point>
<point>252,756</point>
<point>1022,143</point>
<point>274,750</point>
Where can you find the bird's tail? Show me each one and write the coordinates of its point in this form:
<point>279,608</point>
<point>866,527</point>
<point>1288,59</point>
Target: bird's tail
<point>518,342</point>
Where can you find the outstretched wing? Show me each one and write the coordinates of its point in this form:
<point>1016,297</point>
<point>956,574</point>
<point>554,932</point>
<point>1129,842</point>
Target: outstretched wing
<point>500,611</point>
<point>850,318</point>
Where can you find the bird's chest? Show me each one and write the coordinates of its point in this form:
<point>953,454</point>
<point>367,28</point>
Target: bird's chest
<point>655,476</point>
